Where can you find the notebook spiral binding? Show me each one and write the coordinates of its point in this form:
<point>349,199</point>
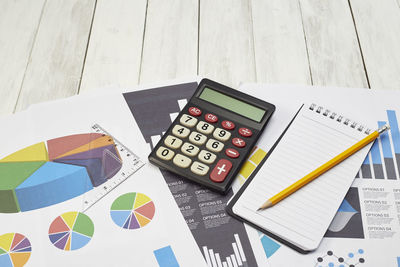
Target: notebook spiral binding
<point>339,118</point>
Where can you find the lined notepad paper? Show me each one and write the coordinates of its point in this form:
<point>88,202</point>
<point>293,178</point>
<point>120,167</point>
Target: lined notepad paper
<point>312,139</point>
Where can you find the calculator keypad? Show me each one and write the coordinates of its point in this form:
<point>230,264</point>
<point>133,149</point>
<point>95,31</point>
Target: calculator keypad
<point>194,111</point>
<point>188,121</point>
<point>190,149</point>
<point>220,170</point>
<point>181,161</point>
<point>211,118</point>
<point>196,142</point>
<point>204,127</point>
<point>207,157</point>
<point>232,153</point>
<point>214,145</point>
<point>172,142</point>
<point>221,134</point>
<point>245,132</point>
<point>197,138</point>
<point>238,142</point>
<point>165,153</point>
<point>199,168</point>
<point>228,125</point>
<point>180,131</point>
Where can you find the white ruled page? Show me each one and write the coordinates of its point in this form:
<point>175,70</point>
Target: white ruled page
<point>303,218</point>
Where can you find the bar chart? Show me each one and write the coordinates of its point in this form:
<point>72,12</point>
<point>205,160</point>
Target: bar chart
<point>383,160</point>
<point>237,258</point>
<point>165,257</point>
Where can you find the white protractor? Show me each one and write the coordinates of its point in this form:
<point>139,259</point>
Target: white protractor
<point>130,162</point>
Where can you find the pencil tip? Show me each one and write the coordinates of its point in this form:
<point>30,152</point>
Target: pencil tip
<point>266,205</point>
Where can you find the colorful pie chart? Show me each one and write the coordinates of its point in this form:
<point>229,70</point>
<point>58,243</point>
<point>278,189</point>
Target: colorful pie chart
<point>15,250</point>
<point>132,210</point>
<point>57,170</point>
<point>71,231</point>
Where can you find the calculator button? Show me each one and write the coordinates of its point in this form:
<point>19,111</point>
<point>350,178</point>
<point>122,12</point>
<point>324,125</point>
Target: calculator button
<point>199,168</point>
<point>228,125</point>
<point>220,171</point>
<point>204,127</point>
<point>245,132</point>
<point>211,118</point>
<point>207,157</point>
<point>180,131</point>
<point>194,111</point>
<point>172,142</point>
<point>189,149</point>
<point>165,153</point>
<point>197,138</point>
<point>238,142</point>
<point>221,134</point>
<point>181,161</point>
<point>232,153</point>
<point>188,121</point>
<point>214,145</point>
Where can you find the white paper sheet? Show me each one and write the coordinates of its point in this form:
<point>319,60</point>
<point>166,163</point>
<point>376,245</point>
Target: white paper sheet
<point>111,245</point>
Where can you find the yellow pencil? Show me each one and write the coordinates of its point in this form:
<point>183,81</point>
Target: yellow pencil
<point>323,168</point>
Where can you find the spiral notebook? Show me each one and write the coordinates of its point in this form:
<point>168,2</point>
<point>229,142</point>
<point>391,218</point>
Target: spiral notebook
<point>314,136</point>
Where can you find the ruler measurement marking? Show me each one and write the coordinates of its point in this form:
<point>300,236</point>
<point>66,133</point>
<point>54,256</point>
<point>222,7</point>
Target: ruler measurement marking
<point>125,172</point>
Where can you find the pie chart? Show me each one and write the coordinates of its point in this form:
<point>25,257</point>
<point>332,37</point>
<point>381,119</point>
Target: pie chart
<point>56,170</point>
<point>15,250</point>
<point>71,231</point>
<point>132,210</point>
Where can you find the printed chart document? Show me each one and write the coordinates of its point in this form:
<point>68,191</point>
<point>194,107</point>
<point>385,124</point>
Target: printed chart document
<point>315,136</point>
<point>219,237</point>
<point>366,228</point>
<point>135,224</point>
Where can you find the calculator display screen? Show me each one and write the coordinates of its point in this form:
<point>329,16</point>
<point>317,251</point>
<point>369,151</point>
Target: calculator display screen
<point>232,104</point>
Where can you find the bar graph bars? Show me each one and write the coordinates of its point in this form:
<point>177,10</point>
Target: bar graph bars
<point>238,258</point>
<point>383,160</point>
<point>165,257</point>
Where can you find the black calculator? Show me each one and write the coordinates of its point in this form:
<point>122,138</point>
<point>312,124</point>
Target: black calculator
<point>212,136</point>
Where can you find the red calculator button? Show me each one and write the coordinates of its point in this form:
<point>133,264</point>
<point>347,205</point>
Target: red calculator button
<point>232,153</point>
<point>220,171</point>
<point>245,132</point>
<point>228,125</point>
<point>194,111</point>
<point>211,118</point>
<point>238,142</point>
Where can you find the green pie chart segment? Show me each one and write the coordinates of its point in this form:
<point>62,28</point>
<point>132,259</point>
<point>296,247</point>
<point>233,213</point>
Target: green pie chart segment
<point>11,175</point>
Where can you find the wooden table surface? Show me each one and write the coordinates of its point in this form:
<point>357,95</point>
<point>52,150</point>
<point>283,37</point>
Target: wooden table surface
<point>51,49</point>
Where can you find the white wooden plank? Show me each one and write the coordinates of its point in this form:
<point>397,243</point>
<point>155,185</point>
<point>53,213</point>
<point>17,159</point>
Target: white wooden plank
<point>226,49</point>
<point>19,21</point>
<point>279,44</point>
<point>115,46</point>
<point>334,54</point>
<point>57,56</point>
<point>378,27</point>
<point>170,43</point>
